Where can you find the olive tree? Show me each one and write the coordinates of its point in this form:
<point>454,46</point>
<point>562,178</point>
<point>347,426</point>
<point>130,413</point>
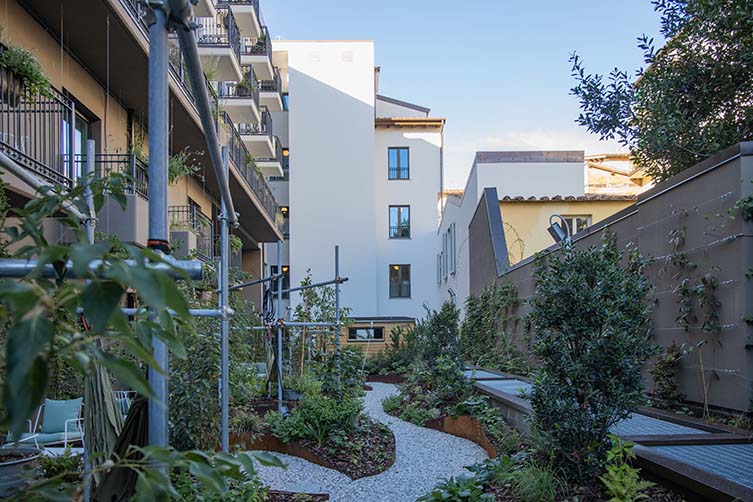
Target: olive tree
<point>591,319</point>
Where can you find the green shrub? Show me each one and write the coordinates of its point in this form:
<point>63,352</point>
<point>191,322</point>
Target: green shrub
<point>419,416</point>
<point>316,418</point>
<point>306,384</point>
<point>458,489</point>
<point>250,489</point>
<point>69,466</point>
<point>392,403</point>
<point>622,481</point>
<point>592,323</point>
<point>666,389</point>
<point>245,423</point>
<point>351,370</point>
<point>439,335</point>
<point>25,66</point>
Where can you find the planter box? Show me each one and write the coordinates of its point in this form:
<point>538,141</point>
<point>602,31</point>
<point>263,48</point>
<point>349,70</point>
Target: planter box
<point>11,471</point>
<point>465,427</point>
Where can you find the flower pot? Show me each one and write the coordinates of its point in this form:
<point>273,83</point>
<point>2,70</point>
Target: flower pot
<point>11,88</point>
<point>13,462</point>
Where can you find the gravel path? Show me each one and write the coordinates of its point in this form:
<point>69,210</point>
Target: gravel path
<point>422,457</point>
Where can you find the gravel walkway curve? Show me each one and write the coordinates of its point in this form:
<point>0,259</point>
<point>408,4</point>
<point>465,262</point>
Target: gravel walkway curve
<point>422,457</point>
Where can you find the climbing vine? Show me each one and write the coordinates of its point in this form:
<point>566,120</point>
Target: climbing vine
<point>486,332</point>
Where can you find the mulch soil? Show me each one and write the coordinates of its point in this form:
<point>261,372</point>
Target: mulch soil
<point>367,451</point>
<point>586,494</point>
<point>280,496</point>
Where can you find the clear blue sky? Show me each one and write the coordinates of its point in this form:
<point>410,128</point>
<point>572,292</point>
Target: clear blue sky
<point>498,70</point>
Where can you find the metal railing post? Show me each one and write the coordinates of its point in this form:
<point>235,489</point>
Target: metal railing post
<point>91,219</point>
<point>224,326</point>
<point>158,228</point>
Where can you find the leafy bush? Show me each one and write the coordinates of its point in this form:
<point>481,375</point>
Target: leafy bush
<point>351,371</point>
<point>505,439</point>
<point>245,423</point>
<point>484,338</point>
<point>306,384</point>
<point>248,489</point>
<point>415,414</point>
<point>315,418</point>
<point>399,354</point>
<point>68,466</point>
<point>666,389</point>
<point>25,66</point>
<point>591,318</point>
<point>458,489</point>
<point>439,335</point>
<point>623,482</point>
<point>392,403</point>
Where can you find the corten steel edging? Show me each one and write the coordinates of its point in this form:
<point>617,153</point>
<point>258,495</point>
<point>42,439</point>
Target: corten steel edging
<point>687,439</point>
<point>707,484</point>
<point>268,442</point>
<point>465,427</point>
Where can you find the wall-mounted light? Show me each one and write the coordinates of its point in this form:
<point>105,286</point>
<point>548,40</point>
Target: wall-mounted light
<point>285,152</point>
<point>284,209</point>
<point>285,269</point>
<point>556,231</point>
<point>395,267</point>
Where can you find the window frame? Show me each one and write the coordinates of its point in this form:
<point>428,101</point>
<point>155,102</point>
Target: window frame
<point>285,280</point>
<point>400,208</point>
<point>373,338</point>
<point>400,271</point>
<point>399,169</point>
<point>573,218</point>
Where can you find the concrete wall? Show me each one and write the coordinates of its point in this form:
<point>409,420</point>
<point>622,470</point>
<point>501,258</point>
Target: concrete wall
<point>693,206</point>
<point>419,192</point>
<point>331,134</point>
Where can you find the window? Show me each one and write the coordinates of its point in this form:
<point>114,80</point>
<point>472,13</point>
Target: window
<point>285,102</point>
<point>285,210</point>
<point>439,268</point>
<point>365,334</point>
<point>399,281</point>
<point>399,222</point>
<point>285,279</point>
<point>450,250</point>
<point>80,136</point>
<point>399,168</point>
<point>577,222</point>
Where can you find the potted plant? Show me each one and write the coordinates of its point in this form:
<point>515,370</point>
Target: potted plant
<point>13,462</point>
<point>21,75</point>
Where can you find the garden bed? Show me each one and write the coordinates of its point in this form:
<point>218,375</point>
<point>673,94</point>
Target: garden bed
<point>393,378</point>
<point>368,450</point>
<point>283,496</point>
<point>653,494</point>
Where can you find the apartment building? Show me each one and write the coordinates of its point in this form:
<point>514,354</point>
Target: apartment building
<point>96,58</point>
<point>518,192</point>
<point>364,173</point>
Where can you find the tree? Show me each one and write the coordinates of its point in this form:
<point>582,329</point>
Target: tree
<point>694,98</point>
<point>591,319</point>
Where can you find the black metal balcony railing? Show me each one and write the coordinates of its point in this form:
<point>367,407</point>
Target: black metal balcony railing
<point>239,156</point>
<point>400,231</point>
<point>192,219</point>
<point>399,173</point>
<point>133,166</point>
<point>246,88</point>
<point>37,131</point>
<point>219,31</point>
<point>264,127</point>
<point>262,46</point>
<point>253,3</point>
<point>274,85</point>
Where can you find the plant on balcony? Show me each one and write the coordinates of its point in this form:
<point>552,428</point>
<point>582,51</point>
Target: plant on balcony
<point>236,244</point>
<point>243,88</point>
<point>30,81</point>
<point>591,317</point>
<point>179,165</point>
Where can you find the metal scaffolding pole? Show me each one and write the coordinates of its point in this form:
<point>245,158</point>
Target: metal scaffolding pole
<point>279,328</point>
<point>337,319</point>
<point>158,230</point>
<point>224,305</point>
<point>91,217</point>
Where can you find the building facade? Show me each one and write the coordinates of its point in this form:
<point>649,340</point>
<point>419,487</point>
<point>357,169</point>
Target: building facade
<point>364,173</point>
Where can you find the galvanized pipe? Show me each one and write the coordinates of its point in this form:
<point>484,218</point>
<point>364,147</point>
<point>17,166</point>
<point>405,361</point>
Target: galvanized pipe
<point>337,319</point>
<point>159,98</point>
<point>91,219</point>
<point>19,268</point>
<point>253,283</point>
<point>279,328</point>
<point>224,323</point>
<point>130,312</point>
<point>338,280</point>
<point>196,75</point>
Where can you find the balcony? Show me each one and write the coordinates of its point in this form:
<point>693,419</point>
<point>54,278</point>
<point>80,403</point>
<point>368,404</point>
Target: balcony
<point>258,53</point>
<point>243,162</point>
<point>241,99</point>
<point>271,166</point>
<point>191,233</point>
<point>270,92</point>
<point>219,43</point>
<point>258,137</point>
<point>204,8</point>
<point>36,132</point>
<point>246,14</point>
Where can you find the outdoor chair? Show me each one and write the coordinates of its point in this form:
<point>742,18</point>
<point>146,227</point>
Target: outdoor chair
<point>123,400</point>
<point>56,423</point>
<point>261,371</point>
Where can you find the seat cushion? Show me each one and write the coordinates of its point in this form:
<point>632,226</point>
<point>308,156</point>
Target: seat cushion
<point>57,412</point>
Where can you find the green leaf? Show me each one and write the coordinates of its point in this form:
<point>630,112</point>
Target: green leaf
<point>267,459</point>
<point>99,300</point>
<point>207,476</point>
<point>128,373</point>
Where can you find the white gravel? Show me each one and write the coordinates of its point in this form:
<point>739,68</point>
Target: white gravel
<point>422,457</point>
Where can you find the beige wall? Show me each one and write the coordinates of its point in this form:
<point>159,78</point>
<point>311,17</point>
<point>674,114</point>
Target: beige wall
<point>526,222</point>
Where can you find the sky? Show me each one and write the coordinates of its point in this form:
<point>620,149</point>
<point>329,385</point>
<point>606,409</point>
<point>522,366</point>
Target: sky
<point>497,70</point>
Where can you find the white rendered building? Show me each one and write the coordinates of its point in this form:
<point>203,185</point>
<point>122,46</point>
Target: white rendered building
<point>364,173</point>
